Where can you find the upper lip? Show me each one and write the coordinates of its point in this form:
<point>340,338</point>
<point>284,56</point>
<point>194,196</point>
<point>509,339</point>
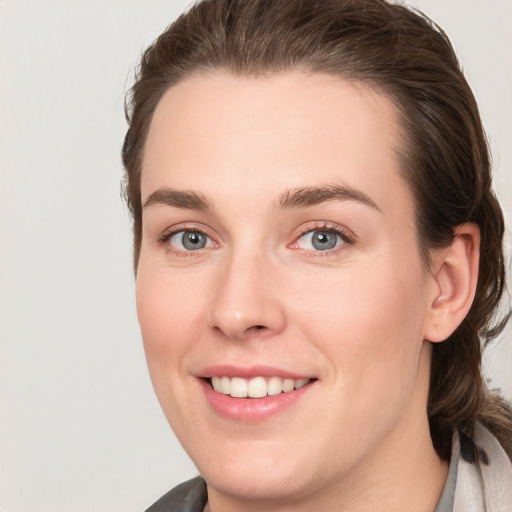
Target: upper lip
<point>248,372</point>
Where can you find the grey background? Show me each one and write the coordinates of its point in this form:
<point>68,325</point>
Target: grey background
<point>80,428</point>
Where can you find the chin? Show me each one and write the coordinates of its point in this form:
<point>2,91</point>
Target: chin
<point>257,482</point>
<point>258,470</point>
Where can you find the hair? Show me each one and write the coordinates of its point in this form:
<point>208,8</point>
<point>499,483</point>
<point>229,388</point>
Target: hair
<point>444,159</point>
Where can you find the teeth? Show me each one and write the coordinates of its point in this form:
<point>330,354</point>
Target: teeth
<point>288,385</point>
<point>274,386</point>
<point>217,384</point>
<point>258,387</point>
<point>300,382</point>
<point>226,385</point>
<point>238,387</point>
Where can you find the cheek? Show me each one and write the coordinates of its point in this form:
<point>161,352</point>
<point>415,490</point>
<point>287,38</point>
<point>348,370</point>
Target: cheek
<point>369,321</point>
<point>171,312</point>
<point>168,312</point>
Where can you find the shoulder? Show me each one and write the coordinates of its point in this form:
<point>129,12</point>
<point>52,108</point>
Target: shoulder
<point>189,496</point>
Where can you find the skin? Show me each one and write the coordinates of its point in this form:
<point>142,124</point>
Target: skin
<point>356,317</point>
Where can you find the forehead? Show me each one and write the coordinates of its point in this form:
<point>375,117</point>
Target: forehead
<point>280,131</point>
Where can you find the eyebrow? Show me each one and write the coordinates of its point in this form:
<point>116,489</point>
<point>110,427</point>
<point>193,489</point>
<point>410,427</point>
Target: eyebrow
<point>178,199</point>
<point>303,197</point>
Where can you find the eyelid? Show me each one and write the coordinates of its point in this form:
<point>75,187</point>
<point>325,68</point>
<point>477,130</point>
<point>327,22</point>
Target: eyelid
<point>346,235</point>
<point>168,233</point>
<point>174,243</point>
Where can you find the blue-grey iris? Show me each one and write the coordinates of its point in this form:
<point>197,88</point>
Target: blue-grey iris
<point>193,240</point>
<point>324,240</point>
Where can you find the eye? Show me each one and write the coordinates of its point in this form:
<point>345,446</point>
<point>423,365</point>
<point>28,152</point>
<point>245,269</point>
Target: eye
<point>320,240</point>
<point>189,240</point>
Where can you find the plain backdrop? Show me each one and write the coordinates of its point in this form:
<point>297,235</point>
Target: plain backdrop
<point>80,428</point>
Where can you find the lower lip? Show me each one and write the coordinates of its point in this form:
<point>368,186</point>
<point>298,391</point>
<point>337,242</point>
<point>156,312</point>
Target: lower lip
<point>252,410</point>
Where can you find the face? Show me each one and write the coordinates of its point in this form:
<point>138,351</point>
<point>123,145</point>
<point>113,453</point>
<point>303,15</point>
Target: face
<point>279,259</point>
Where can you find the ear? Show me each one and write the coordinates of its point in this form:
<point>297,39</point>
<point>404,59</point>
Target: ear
<point>454,280</point>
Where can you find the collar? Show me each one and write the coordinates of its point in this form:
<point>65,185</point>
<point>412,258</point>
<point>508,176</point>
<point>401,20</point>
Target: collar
<point>480,475</point>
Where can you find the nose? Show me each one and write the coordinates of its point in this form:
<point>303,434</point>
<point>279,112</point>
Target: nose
<point>247,301</point>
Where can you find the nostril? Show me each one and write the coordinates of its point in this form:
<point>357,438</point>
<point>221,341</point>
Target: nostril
<point>254,328</point>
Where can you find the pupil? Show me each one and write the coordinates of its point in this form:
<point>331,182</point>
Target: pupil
<point>324,240</point>
<point>193,240</point>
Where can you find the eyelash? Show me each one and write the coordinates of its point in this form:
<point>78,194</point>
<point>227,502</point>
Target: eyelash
<point>346,235</point>
<point>167,235</point>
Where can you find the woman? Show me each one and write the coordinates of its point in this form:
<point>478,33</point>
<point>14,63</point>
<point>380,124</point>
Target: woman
<point>319,258</point>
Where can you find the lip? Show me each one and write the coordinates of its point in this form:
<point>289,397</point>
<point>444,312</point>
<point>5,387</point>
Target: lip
<point>249,372</point>
<point>251,410</point>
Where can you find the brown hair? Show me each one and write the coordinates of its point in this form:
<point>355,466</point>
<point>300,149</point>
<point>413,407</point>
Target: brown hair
<point>445,158</point>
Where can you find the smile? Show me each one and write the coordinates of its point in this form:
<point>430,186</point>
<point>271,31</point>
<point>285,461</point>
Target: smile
<point>257,387</point>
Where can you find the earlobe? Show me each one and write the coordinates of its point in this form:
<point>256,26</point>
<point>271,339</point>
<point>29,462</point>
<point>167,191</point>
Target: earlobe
<point>455,277</point>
